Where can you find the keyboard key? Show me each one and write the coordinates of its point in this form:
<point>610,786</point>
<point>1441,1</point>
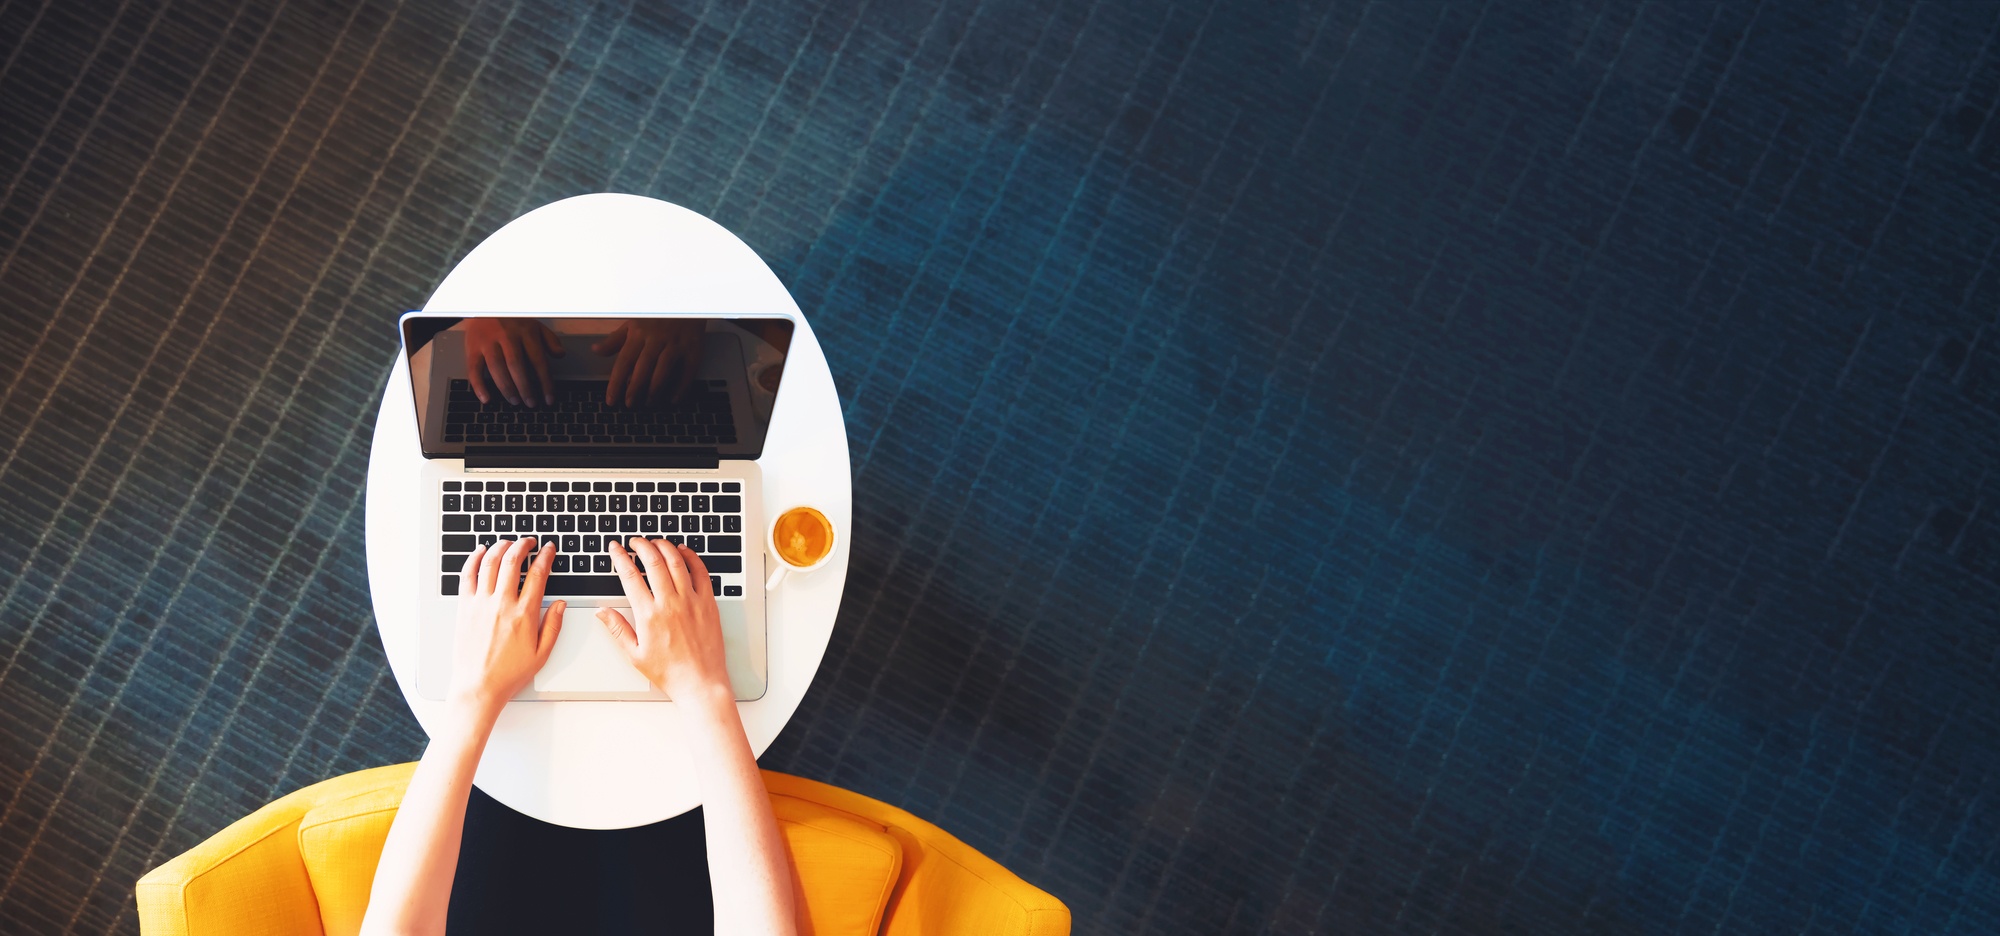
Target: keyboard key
<point>593,544</point>
<point>482,523</point>
<point>470,486</point>
<point>517,485</point>
<point>450,502</point>
<point>645,487</point>
<point>534,503</point>
<point>732,591</point>
<point>461,543</point>
<point>696,543</point>
<point>661,503</point>
<point>670,524</point>
<point>577,502</point>
<point>524,523</point>
<point>487,540</point>
<point>678,503</point>
<point>731,487</point>
<point>725,544</point>
<point>714,584</point>
<point>449,585</point>
<point>493,503</point>
<point>534,486</point>
<point>607,523</point>
<point>728,503</point>
<point>722,563</point>
<point>601,487</point>
<point>673,539</point>
<point>732,524</point>
<point>451,485</point>
<point>454,561</point>
<point>649,524</point>
<point>618,501</point>
<point>545,524</point>
<point>503,523</point>
<point>690,524</point>
<point>457,523</point>
<point>558,485</point>
<point>565,523</point>
<point>628,523</point>
<point>513,503</point>
<point>700,502</point>
<point>596,503</point>
<point>710,523</point>
<point>623,487</point>
<point>560,565</point>
<point>576,586</point>
<point>689,487</point>
<point>710,487</point>
<point>601,563</point>
<point>572,543</point>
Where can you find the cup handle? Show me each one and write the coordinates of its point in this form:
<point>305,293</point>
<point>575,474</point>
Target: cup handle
<point>777,576</point>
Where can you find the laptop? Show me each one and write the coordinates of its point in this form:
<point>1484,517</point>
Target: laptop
<point>582,431</point>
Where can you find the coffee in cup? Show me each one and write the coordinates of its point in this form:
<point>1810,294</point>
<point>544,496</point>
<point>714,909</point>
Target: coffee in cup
<point>802,540</point>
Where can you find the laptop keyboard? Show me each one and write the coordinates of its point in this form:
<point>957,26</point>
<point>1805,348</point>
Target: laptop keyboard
<point>701,417</point>
<point>584,517</point>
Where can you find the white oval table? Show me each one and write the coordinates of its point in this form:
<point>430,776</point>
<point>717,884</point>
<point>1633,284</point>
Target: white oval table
<point>613,765</point>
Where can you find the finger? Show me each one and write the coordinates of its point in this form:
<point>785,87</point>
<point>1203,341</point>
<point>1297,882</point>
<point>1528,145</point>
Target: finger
<point>697,572</point>
<point>621,632</point>
<point>611,342</point>
<point>688,367</point>
<point>551,629</point>
<point>553,341</point>
<point>472,576</point>
<point>510,569</point>
<point>475,370</point>
<point>614,392</point>
<point>658,573</point>
<point>629,575</point>
<point>642,373</point>
<point>538,573</point>
<point>489,571</point>
<point>517,367</point>
<point>502,381</point>
<point>666,372</point>
<point>540,360</point>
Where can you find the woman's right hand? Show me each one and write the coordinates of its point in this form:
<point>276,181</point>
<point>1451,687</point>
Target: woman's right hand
<point>674,637</point>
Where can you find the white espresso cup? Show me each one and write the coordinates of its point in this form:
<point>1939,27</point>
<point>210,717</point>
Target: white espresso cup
<point>801,528</point>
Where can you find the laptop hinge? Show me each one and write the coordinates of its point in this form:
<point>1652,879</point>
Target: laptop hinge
<point>676,458</point>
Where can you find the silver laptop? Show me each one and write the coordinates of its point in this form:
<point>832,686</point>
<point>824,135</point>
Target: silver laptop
<point>581,431</point>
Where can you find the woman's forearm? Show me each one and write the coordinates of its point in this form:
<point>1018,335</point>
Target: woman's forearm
<point>412,887</point>
<point>749,869</point>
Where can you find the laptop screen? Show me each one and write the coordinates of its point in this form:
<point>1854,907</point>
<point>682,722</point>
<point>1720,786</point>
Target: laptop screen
<point>501,385</point>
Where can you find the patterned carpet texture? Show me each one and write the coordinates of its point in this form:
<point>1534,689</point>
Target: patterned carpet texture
<point>1351,467</point>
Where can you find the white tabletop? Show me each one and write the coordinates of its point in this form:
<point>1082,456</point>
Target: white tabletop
<point>612,765</point>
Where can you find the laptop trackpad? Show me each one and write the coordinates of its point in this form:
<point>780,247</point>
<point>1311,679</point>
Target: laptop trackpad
<point>585,659</point>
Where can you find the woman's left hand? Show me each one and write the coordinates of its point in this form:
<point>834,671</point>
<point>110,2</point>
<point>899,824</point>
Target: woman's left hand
<point>503,635</point>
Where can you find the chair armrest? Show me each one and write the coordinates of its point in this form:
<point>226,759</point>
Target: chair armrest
<point>248,878</point>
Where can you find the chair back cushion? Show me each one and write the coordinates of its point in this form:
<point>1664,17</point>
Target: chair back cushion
<point>341,841</point>
<point>844,867</point>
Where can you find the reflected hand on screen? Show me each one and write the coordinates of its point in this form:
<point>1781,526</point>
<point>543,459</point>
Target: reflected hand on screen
<point>510,357</point>
<point>657,360</point>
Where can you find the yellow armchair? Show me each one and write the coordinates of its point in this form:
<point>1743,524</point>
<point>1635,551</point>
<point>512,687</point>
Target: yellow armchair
<point>304,864</point>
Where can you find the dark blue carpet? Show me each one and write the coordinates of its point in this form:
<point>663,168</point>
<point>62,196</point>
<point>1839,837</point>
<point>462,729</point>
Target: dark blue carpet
<point>1520,468</point>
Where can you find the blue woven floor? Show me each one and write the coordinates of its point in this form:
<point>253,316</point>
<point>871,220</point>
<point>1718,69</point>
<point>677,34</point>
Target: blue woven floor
<point>1362,468</point>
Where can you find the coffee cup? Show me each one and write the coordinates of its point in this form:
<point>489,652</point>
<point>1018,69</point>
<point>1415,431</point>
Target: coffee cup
<point>800,540</point>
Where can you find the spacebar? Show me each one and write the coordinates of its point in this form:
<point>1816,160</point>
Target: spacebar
<point>576,585</point>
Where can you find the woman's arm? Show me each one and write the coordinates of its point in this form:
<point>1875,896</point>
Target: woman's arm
<point>677,644</point>
<point>503,638</point>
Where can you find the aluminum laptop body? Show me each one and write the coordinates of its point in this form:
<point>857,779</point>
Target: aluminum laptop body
<point>678,464</point>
